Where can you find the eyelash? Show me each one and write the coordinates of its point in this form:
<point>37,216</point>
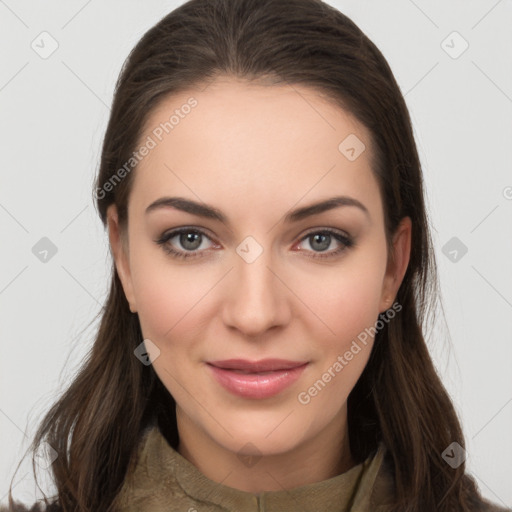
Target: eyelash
<point>346,241</point>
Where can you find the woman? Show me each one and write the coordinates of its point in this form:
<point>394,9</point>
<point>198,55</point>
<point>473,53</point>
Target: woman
<point>261,347</point>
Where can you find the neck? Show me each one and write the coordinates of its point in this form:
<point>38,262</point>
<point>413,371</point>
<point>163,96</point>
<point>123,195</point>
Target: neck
<point>314,460</point>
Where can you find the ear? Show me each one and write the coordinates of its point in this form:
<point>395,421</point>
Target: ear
<point>119,247</point>
<point>397,263</point>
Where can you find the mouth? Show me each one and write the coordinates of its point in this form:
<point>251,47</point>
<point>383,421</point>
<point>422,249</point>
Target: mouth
<point>261,366</point>
<point>256,379</point>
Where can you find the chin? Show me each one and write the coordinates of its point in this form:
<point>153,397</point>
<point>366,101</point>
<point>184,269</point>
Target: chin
<point>260,438</point>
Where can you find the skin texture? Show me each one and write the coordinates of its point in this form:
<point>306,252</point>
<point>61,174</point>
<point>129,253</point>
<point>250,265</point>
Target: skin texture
<point>256,152</point>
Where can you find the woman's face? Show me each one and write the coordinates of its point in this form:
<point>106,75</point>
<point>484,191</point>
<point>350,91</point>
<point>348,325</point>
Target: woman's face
<point>256,273</point>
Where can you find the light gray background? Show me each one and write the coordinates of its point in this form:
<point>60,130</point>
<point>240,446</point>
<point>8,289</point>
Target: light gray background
<point>53,116</point>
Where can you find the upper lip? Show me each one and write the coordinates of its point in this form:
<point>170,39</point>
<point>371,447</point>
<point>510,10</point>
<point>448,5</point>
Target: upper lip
<point>263,365</point>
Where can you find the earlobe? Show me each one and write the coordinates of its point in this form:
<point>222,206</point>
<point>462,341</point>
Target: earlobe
<point>119,251</point>
<point>397,262</point>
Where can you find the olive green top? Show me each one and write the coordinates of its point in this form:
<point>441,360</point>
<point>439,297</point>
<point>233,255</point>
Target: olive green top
<point>164,481</point>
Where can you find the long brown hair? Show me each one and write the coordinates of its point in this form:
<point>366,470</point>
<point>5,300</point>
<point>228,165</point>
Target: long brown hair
<point>399,398</point>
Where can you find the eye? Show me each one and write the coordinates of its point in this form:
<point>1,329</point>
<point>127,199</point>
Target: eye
<point>192,242</point>
<point>319,241</point>
<point>191,239</point>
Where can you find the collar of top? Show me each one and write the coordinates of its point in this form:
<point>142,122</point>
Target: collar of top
<point>163,477</point>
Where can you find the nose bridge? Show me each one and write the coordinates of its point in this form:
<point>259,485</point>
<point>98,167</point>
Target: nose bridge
<point>257,297</point>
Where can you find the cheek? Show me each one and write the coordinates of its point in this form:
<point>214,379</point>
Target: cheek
<point>350,311</point>
<point>168,295</point>
<point>169,309</point>
<point>343,301</point>
<point>349,305</point>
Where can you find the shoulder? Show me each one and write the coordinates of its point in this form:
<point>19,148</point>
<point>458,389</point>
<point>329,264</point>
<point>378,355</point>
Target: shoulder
<point>383,492</point>
<point>382,495</point>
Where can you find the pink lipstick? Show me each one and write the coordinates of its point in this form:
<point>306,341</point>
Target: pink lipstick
<point>256,379</point>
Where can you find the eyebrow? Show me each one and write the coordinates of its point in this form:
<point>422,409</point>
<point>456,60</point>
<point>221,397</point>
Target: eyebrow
<point>210,212</point>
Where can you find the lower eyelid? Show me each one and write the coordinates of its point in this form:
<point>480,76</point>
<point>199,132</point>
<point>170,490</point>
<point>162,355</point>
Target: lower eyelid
<point>345,242</point>
<point>166,239</point>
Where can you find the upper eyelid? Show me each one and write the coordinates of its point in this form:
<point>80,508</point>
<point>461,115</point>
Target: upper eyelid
<point>169,234</point>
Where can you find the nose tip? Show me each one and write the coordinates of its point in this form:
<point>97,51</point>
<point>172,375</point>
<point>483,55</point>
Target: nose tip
<point>256,298</point>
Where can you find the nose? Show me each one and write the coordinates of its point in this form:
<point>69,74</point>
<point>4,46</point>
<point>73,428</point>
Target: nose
<point>257,297</point>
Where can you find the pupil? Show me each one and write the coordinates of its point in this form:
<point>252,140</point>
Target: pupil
<point>189,240</point>
<point>326,240</point>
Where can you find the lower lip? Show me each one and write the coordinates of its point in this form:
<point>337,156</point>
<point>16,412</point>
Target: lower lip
<point>252,385</point>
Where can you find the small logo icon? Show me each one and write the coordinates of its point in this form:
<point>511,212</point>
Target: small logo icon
<point>454,249</point>
<point>147,352</point>
<point>454,45</point>
<point>351,147</point>
<point>44,45</point>
<point>249,250</point>
<point>249,455</point>
<point>45,455</point>
<point>44,250</point>
<point>454,455</point>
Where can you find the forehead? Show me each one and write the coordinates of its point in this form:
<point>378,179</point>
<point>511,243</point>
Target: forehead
<point>283,142</point>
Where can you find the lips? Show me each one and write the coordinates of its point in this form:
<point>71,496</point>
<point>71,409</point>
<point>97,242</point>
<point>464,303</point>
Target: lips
<point>263,365</point>
<point>256,379</point>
